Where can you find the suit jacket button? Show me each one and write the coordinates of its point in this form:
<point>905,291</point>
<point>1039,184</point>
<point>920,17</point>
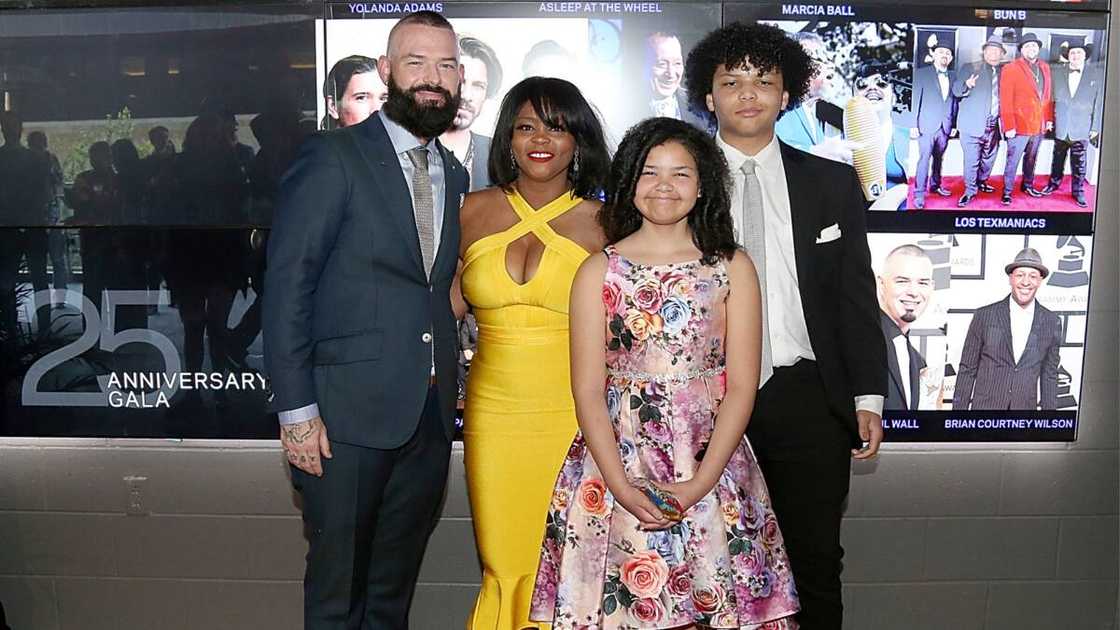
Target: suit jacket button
<point>426,337</point>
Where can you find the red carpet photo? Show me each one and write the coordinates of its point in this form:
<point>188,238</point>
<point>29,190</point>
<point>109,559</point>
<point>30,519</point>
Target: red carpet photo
<point>1060,200</point>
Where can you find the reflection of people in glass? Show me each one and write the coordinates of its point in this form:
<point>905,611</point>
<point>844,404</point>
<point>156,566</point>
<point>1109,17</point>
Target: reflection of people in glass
<point>933,106</point>
<point>522,244</point>
<point>1077,120</point>
<point>353,90</point>
<point>1026,111</point>
<point>160,137</point>
<point>56,194</point>
<point>905,291</point>
<point>482,79</point>
<point>23,202</point>
<point>213,187</point>
<point>1010,356</point>
<point>95,198</point>
<point>977,92</point>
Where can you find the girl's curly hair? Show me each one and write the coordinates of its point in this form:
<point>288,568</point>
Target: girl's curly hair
<point>713,231</point>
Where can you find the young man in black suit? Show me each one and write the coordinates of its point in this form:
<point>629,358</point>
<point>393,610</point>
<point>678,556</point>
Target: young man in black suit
<point>360,336</point>
<point>824,359</point>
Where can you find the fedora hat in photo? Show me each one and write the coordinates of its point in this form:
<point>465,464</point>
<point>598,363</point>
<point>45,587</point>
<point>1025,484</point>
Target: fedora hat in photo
<point>1027,257</point>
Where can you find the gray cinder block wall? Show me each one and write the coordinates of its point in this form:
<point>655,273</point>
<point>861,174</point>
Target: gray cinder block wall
<point>969,537</point>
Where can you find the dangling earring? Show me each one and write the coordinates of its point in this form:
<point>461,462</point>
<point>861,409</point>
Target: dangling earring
<point>512,160</point>
<point>575,165</point>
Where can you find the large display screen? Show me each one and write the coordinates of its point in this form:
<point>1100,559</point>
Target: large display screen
<point>132,240</point>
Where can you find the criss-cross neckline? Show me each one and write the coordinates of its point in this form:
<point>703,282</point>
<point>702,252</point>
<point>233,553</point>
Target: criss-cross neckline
<point>533,221</point>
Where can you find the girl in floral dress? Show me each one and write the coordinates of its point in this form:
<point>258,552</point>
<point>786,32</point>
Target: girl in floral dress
<point>668,317</point>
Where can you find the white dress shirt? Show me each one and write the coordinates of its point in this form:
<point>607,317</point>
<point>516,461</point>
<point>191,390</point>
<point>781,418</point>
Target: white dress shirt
<point>403,141</point>
<point>1021,321</point>
<point>1074,81</point>
<point>789,334</point>
<point>902,354</point>
<point>943,81</point>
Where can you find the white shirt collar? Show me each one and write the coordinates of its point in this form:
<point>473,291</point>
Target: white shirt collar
<point>769,158</point>
<point>1020,311</point>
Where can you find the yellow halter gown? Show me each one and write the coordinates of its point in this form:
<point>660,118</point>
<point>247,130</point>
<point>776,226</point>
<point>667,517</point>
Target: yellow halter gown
<point>520,417</point>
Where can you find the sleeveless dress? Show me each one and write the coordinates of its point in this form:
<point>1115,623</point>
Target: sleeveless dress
<point>724,565</point>
<point>519,416</point>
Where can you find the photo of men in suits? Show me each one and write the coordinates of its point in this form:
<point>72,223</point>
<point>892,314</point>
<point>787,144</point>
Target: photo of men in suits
<point>934,110</point>
<point>977,89</point>
<point>360,335</point>
<point>1078,105</point>
<point>1026,112</point>
<point>1010,354</point>
<point>905,291</point>
<point>482,80</point>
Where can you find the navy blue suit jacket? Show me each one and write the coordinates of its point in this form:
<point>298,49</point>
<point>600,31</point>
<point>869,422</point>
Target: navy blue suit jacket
<point>349,317</point>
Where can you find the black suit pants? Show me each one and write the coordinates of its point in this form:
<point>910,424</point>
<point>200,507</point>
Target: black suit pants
<point>368,519</point>
<point>980,154</point>
<point>1076,150</point>
<point>931,147</point>
<point>804,452</point>
<point>1025,148</point>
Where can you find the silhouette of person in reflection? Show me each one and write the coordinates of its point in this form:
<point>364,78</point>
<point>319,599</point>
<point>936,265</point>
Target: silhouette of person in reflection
<point>95,198</point>
<point>23,203</point>
<point>204,266</point>
<point>55,193</point>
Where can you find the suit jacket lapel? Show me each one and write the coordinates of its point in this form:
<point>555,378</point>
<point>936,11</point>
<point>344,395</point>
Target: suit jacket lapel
<point>803,216</point>
<point>378,151</point>
<point>1004,315</point>
<point>1035,334</point>
<point>451,173</point>
<point>915,375</point>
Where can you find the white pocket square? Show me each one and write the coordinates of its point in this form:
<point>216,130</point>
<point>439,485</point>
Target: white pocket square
<point>829,234</point>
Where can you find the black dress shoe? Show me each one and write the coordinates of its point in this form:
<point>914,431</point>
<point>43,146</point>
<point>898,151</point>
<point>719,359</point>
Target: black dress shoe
<point>1005,199</point>
<point>1032,192</point>
<point>1081,203</point>
<point>964,200</point>
<point>986,187</point>
<point>1049,189</point>
<point>941,191</point>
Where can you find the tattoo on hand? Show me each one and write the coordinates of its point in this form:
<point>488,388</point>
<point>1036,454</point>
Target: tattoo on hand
<point>298,433</point>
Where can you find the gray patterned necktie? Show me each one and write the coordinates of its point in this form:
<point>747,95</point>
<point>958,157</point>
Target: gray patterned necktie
<point>754,240</point>
<point>423,206</point>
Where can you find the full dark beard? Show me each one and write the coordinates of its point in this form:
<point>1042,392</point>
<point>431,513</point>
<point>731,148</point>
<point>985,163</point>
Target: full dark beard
<point>421,120</point>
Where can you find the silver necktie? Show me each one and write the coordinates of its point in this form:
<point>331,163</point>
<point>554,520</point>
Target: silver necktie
<point>754,240</point>
<point>423,206</point>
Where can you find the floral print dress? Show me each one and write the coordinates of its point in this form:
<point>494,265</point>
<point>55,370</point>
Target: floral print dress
<point>724,565</point>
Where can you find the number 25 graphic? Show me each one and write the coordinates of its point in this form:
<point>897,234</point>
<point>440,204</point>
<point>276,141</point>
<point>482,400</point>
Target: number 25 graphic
<point>97,326</point>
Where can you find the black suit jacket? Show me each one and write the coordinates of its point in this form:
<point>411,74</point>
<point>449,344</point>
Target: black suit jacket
<point>974,106</point>
<point>931,112</point>
<point>349,317</point>
<point>988,376</point>
<point>1075,117</point>
<point>897,387</point>
<point>835,280</point>
<point>480,164</point>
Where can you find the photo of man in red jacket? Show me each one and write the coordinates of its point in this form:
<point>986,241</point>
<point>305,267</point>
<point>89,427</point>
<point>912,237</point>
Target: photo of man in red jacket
<point>1026,112</point>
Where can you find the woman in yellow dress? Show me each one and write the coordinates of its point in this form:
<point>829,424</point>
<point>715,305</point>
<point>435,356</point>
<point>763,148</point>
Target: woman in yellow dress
<point>522,242</point>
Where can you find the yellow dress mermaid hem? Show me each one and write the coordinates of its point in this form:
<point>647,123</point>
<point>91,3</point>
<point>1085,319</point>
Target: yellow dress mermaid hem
<point>519,418</point>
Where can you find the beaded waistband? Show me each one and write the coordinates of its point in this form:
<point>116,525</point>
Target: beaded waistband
<point>677,377</point>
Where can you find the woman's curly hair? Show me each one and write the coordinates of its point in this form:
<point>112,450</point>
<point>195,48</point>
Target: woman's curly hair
<point>713,231</point>
<point>765,47</point>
